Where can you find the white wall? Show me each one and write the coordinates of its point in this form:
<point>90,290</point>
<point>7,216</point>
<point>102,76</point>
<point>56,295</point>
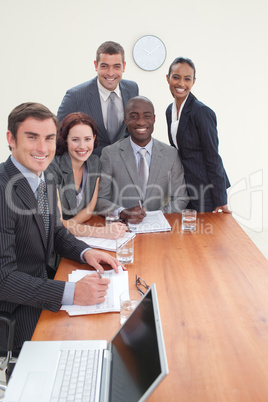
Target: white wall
<point>49,46</point>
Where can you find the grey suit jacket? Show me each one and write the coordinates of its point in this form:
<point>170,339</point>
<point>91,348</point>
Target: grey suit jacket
<point>85,98</point>
<point>24,253</point>
<point>120,183</point>
<point>61,168</point>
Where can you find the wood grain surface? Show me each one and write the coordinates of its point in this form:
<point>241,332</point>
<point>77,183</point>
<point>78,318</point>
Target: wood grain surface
<point>212,288</point>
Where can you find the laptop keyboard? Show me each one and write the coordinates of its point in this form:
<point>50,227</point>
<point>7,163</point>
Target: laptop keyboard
<point>76,376</point>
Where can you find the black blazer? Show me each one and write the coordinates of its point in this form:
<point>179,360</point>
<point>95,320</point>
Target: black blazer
<point>198,142</point>
<point>85,98</point>
<point>24,253</point>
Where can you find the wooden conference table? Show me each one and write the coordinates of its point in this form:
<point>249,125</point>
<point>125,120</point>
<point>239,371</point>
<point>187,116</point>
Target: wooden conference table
<point>212,288</point>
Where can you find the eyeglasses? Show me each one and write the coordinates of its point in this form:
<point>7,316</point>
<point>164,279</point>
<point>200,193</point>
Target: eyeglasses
<point>141,282</point>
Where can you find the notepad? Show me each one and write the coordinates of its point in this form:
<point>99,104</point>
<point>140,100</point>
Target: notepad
<point>118,284</point>
<point>154,221</point>
<point>106,244</point>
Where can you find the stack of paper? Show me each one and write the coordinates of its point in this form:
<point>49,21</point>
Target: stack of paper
<point>154,221</point>
<point>118,285</point>
<point>106,244</point>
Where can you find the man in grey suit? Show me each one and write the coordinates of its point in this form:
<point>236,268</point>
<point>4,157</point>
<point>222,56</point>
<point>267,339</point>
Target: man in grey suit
<point>95,97</point>
<point>30,231</point>
<point>122,179</point>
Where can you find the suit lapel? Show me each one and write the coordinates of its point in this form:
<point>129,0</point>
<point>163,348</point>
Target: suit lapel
<point>156,163</point>
<point>68,178</point>
<point>94,104</point>
<point>26,195</point>
<point>185,114</point>
<point>127,155</point>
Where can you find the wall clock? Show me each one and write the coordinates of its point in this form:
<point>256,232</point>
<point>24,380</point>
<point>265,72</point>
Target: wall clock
<point>149,52</point>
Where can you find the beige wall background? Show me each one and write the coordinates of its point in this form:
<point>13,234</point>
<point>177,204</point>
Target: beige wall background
<point>49,46</point>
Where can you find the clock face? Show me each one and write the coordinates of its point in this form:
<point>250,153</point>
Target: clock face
<point>149,53</point>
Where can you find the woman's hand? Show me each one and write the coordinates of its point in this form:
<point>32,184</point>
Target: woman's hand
<point>113,230</point>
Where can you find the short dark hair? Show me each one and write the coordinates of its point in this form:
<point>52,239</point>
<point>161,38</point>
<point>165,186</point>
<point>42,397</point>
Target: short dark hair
<point>182,60</point>
<point>29,109</point>
<point>69,121</point>
<point>134,99</point>
<point>110,47</point>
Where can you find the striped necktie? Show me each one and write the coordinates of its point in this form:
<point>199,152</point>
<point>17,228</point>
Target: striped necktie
<point>42,204</point>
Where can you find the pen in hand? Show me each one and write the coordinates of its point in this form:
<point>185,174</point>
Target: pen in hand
<point>140,204</point>
<point>99,274</point>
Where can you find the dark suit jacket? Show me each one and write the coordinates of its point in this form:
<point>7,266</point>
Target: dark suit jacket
<point>197,140</point>
<point>85,98</point>
<point>61,168</point>
<point>120,182</point>
<point>24,253</point>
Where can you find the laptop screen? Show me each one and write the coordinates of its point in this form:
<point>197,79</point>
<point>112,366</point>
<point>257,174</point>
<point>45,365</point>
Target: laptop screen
<point>139,361</point>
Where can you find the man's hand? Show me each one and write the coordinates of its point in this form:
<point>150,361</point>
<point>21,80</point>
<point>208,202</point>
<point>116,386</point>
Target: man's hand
<point>95,257</point>
<point>133,215</point>
<point>90,290</point>
<point>223,208</point>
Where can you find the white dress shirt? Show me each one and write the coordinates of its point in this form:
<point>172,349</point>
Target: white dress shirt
<point>105,99</point>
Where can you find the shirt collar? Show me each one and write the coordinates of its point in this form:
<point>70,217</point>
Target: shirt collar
<point>32,179</point>
<point>174,109</point>
<point>136,147</point>
<point>105,93</point>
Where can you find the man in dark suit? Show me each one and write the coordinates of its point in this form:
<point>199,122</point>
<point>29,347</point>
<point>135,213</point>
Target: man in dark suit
<point>121,184</point>
<point>28,234</point>
<point>93,97</point>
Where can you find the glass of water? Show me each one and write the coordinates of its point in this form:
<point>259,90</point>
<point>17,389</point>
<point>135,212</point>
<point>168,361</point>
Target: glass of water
<point>188,219</point>
<point>125,252</point>
<point>111,218</point>
<point>128,303</point>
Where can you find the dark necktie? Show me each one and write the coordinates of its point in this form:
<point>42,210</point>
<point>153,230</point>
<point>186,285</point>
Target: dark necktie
<point>43,205</point>
<point>112,118</point>
<point>143,171</point>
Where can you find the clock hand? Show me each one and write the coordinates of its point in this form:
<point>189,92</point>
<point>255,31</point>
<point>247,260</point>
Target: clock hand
<point>149,52</point>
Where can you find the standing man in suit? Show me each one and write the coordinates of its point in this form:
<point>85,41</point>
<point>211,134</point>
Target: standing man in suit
<point>140,170</point>
<point>30,228</point>
<point>192,129</point>
<point>104,96</point>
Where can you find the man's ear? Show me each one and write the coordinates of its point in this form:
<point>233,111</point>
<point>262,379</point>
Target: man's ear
<point>11,140</point>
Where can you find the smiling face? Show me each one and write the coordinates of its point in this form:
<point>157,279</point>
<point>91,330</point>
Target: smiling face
<point>181,80</point>
<point>80,142</point>
<point>35,145</point>
<point>110,69</point>
<point>140,119</point>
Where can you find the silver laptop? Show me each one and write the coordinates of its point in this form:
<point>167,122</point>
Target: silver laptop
<point>128,368</point>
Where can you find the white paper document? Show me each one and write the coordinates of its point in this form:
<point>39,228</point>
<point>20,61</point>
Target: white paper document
<point>106,244</point>
<point>154,221</point>
<point>118,285</point>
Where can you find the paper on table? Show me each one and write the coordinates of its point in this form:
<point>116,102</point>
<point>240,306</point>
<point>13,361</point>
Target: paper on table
<point>154,221</point>
<point>106,244</point>
<point>118,284</point>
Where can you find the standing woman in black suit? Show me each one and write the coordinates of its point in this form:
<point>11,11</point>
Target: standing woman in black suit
<point>192,129</point>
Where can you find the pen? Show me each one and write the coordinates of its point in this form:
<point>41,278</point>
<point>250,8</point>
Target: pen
<point>99,273</point>
<point>140,204</point>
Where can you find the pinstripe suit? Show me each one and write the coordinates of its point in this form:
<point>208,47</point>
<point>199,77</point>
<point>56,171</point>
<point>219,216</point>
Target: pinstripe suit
<point>85,98</point>
<point>120,183</point>
<point>197,140</point>
<point>24,253</point>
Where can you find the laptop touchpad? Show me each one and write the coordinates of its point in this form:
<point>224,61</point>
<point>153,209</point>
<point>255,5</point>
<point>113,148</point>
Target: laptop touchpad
<point>34,386</point>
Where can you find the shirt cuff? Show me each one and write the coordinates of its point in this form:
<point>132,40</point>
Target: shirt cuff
<point>82,254</point>
<point>68,294</point>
